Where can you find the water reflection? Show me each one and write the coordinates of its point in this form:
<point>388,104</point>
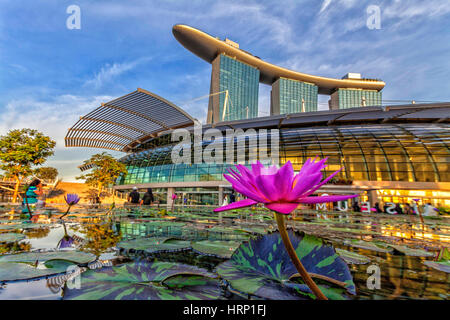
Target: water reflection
<point>100,237</point>
<point>402,277</point>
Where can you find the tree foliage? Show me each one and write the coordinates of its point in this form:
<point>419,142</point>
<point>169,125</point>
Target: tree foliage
<point>46,173</point>
<point>105,171</point>
<point>21,150</point>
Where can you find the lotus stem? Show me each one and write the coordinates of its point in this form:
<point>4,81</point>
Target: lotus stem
<point>294,258</point>
<point>65,214</point>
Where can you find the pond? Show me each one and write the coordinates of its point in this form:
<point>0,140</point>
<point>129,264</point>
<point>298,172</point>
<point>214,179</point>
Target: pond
<point>193,253</point>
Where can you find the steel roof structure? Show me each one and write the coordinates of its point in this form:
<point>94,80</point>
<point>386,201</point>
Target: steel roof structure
<point>127,121</point>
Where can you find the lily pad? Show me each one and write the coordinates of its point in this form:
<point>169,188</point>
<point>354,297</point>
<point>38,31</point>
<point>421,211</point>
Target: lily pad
<point>374,246</point>
<point>262,267</point>
<point>76,257</point>
<point>443,266</point>
<point>221,249</point>
<point>11,237</point>
<point>352,257</point>
<point>412,252</point>
<point>155,244</point>
<point>13,271</point>
<point>147,281</point>
<point>31,265</point>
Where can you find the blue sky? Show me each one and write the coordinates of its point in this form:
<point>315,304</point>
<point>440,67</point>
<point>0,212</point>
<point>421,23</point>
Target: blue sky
<point>50,75</point>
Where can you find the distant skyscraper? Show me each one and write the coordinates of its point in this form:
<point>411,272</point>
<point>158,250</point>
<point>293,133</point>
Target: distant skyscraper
<point>292,96</point>
<point>352,98</point>
<point>234,86</point>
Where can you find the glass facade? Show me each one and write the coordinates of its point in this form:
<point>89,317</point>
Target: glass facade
<point>296,96</point>
<point>351,98</point>
<point>242,83</point>
<point>384,152</point>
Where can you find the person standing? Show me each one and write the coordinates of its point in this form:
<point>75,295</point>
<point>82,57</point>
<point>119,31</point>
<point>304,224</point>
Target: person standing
<point>356,207</point>
<point>148,198</point>
<point>134,196</point>
<point>377,207</point>
<point>34,190</point>
<point>225,200</point>
<point>232,197</point>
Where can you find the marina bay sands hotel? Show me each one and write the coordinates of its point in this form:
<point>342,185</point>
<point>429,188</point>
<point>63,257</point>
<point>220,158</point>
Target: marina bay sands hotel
<point>236,75</point>
<point>388,153</point>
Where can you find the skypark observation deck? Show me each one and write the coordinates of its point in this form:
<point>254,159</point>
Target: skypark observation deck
<point>208,48</point>
<point>236,75</point>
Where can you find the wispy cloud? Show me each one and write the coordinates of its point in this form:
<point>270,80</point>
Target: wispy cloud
<point>325,5</point>
<point>110,72</point>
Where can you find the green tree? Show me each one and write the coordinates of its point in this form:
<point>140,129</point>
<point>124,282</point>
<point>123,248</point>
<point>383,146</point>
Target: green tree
<point>46,173</point>
<point>105,170</point>
<point>22,149</point>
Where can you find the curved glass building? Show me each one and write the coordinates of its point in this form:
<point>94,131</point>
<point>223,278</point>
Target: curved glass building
<point>389,152</point>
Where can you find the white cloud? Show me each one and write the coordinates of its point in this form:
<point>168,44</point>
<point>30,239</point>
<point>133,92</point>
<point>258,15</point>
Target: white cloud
<point>110,71</point>
<point>325,5</point>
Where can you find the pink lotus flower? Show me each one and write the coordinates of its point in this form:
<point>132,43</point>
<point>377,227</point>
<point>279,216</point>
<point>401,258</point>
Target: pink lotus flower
<point>174,196</point>
<point>278,189</point>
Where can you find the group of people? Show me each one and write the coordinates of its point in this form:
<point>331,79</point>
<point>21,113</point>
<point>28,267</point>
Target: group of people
<point>405,208</point>
<point>229,199</point>
<point>135,198</point>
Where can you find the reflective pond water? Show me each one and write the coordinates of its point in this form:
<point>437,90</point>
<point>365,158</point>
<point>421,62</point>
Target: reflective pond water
<point>34,256</point>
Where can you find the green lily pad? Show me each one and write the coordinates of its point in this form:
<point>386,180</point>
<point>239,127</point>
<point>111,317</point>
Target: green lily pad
<point>221,249</point>
<point>374,246</point>
<point>13,271</point>
<point>443,266</point>
<point>412,252</point>
<point>262,267</point>
<point>30,265</point>
<point>147,281</point>
<point>352,257</point>
<point>11,237</point>
<point>76,257</point>
<point>155,244</point>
